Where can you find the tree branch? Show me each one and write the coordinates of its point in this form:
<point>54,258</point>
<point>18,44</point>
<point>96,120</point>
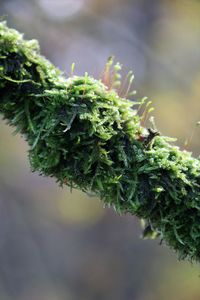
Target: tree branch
<point>87,137</point>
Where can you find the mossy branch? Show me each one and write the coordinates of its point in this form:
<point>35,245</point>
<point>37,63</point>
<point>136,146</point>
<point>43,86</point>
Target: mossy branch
<point>88,137</point>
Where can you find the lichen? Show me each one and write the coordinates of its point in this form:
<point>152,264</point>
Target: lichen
<point>88,137</point>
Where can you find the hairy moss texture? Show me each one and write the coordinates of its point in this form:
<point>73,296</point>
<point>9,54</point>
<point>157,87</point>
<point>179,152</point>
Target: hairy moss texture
<point>88,137</point>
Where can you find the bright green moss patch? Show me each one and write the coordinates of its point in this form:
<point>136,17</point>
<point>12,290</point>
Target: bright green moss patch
<point>87,137</point>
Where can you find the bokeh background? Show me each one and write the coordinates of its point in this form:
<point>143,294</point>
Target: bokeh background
<point>57,245</point>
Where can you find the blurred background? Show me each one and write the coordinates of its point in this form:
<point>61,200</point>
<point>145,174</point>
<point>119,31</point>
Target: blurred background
<point>57,245</point>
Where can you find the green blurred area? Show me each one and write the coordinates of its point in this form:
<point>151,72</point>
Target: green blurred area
<point>55,244</point>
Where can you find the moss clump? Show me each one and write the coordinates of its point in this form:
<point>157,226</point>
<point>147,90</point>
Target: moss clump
<point>87,137</point>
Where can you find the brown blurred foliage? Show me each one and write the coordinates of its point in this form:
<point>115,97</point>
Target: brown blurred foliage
<point>55,244</point>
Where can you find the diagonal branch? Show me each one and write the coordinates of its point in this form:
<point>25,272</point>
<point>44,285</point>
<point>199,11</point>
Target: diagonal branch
<point>88,137</point>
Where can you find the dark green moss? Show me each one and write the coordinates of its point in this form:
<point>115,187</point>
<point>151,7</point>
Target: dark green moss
<point>87,137</point>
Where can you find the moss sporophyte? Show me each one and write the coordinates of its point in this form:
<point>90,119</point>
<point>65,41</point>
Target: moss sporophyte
<point>85,133</point>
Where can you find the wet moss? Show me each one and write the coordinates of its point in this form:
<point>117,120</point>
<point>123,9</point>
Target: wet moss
<point>89,138</point>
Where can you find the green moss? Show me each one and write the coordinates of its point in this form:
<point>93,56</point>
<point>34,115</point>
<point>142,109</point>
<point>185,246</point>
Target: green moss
<point>87,137</point>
